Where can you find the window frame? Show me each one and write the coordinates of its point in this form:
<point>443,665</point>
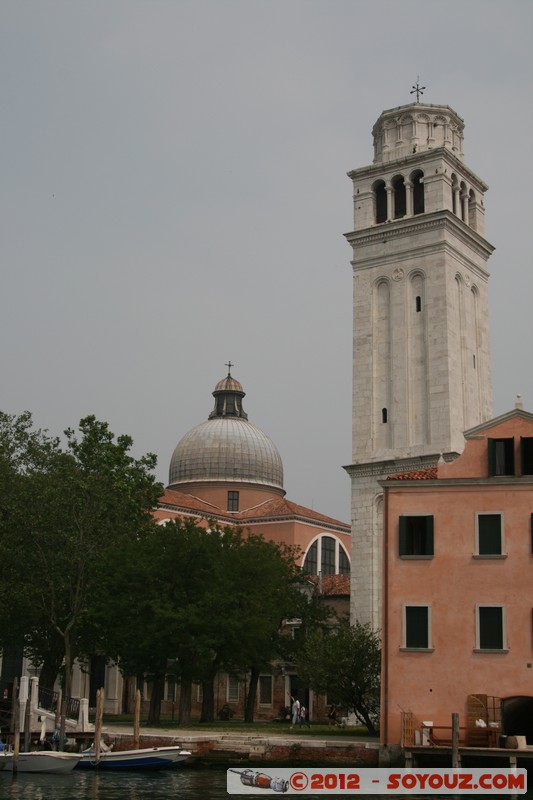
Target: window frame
<point>233,500</point>
<point>417,648</point>
<point>478,647</point>
<point>509,466</point>
<point>233,687</point>
<point>403,545</point>
<point>502,553</point>
<point>526,455</point>
<point>262,679</point>
<point>316,551</point>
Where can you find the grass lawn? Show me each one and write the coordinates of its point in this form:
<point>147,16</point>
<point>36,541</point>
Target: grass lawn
<point>237,726</point>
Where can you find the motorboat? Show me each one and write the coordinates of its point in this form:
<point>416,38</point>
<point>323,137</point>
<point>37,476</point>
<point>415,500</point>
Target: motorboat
<point>146,758</point>
<point>40,761</point>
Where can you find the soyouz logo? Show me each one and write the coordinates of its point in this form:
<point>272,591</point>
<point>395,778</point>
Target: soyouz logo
<point>254,780</point>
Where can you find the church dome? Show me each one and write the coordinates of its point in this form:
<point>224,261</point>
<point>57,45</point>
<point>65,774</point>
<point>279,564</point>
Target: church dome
<point>226,448</point>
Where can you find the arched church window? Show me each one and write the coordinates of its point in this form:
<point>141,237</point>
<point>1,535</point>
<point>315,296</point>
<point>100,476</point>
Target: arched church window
<point>311,562</point>
<point>380,201</point>
<point>400,202</point>
<point>344,564</point>
<point>327,556</point>
<point>417,179</point>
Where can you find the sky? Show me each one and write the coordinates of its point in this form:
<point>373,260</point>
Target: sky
<point>174,195</point>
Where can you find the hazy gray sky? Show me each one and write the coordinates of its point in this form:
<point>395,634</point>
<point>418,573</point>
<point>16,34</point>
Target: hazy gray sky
<point>174,194</point>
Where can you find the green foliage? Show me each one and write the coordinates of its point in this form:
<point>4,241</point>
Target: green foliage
<point>65,512</point>
<point>345,664</point>
<point>193,601</point>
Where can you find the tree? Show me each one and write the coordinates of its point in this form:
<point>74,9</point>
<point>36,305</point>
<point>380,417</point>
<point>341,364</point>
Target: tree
<point>192,601</point>
<point>345,664</point>
<point>73,508</point>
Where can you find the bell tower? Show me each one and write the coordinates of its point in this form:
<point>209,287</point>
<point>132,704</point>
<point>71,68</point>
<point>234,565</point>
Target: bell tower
<point>421,360</point>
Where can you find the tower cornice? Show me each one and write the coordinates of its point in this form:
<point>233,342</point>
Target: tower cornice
<point>419,159</point>
<point>404,228</point>
<point>369,469</point>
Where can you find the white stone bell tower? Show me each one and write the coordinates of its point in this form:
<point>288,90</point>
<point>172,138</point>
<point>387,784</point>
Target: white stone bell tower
<point>421,361</point>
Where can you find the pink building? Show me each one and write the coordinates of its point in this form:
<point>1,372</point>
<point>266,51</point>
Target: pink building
<point>458,588</point>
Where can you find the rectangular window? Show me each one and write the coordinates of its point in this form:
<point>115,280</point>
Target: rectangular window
<point>416,535</point>
<point>417,627</point>
<point>233,690</point>
<point>489,535</point>
<point>501,457</point>
<point>490,628</point>
<point>526,455</point>
<point>265,690</point>
<point>233,501</point>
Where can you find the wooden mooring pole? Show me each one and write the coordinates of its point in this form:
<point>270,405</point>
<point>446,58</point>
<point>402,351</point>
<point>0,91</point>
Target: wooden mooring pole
<point>98,724</point>
<point>456,760</point>
<point>137,720</point>
<point>16,727</point>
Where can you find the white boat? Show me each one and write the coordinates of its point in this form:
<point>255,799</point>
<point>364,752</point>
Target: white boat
<point>147,758</point>
<point>40,761</point>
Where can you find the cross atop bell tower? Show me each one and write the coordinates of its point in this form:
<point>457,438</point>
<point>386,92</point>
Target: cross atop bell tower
<point>421,371</point>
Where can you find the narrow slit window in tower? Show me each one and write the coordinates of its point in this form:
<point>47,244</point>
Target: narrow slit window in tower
<point>384,415</point>
<point>418,303</point>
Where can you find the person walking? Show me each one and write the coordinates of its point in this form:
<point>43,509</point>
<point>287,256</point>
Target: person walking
<point>295,709</point>
<point>304,716</point>
<point>332,715</point>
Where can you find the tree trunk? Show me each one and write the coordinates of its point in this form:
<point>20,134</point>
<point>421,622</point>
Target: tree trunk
<point>364,715</point>
<point>252,694</point>
<point>208,701</point>
<point>184,716</point>
<point>158,688</point>
<point>68,666</point>
<point>129,691</point>
<point>50,668</point>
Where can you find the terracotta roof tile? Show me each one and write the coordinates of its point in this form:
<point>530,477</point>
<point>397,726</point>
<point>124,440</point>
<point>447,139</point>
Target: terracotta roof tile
<point>273,508</point>
<point>336,584</point>
<point>428,474</point>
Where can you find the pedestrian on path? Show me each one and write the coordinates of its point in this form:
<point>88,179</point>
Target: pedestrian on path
<point>304,717</point>
<point>295,708</point>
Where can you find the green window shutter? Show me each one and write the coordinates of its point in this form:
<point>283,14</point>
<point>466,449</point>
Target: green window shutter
<point>526,455</point>
<point>492,457</point>
<point>490,628</point>
<point>403,536</point>
<point>489,534</point>
<point>429,535</point>
<point>509,457</point>
<point>501,457</point>
<point>416,626</point>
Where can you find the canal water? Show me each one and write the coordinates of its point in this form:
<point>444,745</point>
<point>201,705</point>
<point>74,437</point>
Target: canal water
<point>183,784</point>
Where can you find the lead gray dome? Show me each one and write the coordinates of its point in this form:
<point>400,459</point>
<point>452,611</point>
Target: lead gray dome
<point>227,447</point>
